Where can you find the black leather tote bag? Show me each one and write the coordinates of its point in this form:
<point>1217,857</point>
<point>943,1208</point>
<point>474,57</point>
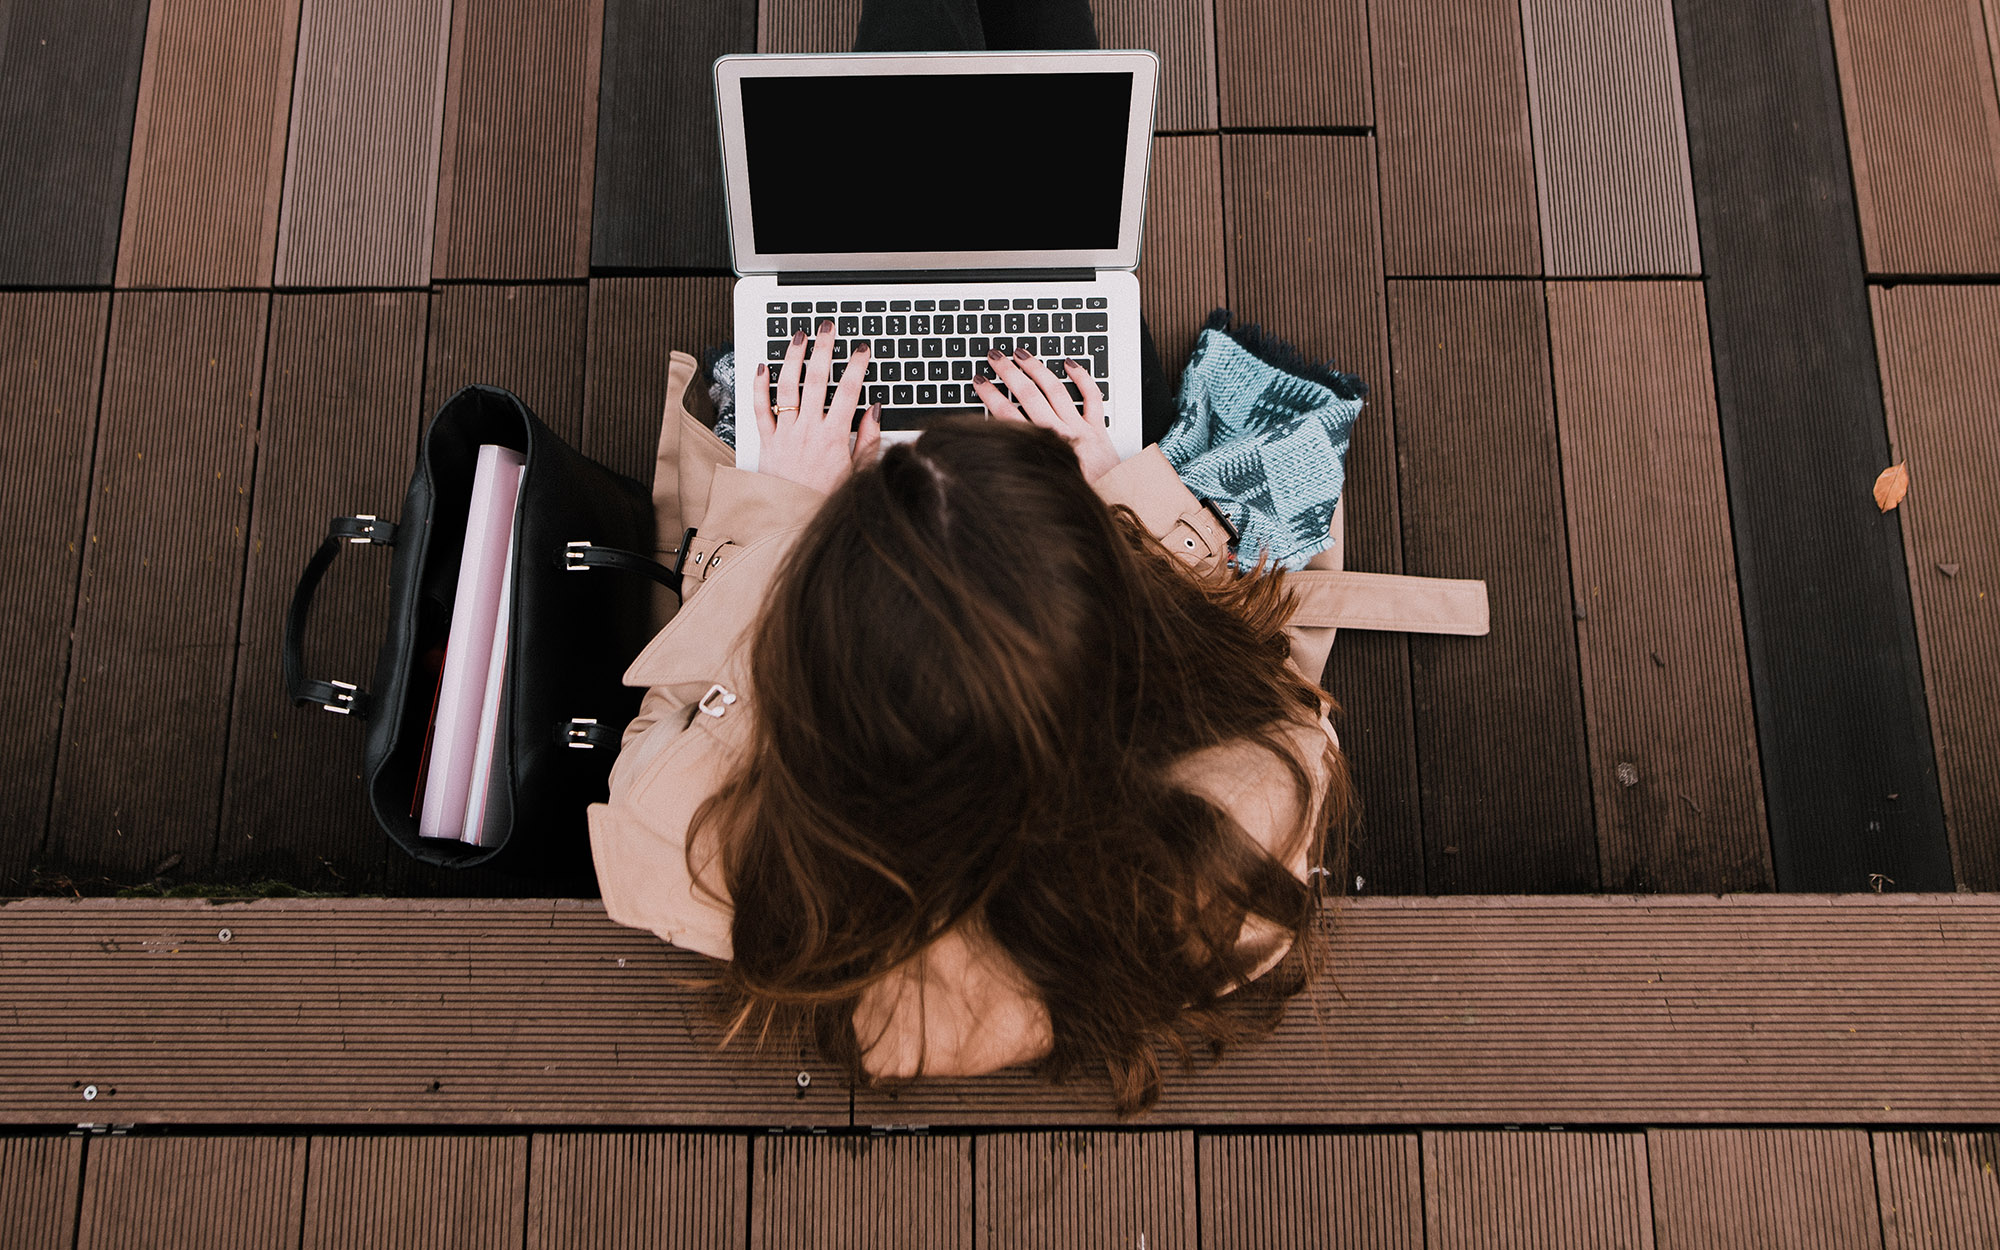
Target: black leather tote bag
<point>576,622</point>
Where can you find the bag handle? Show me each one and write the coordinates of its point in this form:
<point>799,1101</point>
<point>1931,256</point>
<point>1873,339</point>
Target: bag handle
<point>580,556</point>
<point>335,696</point>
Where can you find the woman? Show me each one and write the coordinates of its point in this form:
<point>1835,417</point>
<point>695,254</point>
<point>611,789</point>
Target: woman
<point>977,752</point>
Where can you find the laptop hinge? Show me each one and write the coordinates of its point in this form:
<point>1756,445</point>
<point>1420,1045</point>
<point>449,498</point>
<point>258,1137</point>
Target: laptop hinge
<point>906,277</point>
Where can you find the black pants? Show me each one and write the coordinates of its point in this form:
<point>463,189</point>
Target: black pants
<point>1007,25</point>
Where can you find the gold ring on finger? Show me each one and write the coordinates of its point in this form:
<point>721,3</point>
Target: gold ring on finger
<point>786,408</point>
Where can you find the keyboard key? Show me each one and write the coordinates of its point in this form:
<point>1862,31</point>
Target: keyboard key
<point>850,305</point>
<point>907,349</point>
<point>990,324</point>
<point>775,308</point>
<point>884,348</point>
<point>1095,301</point>
<point>920,324</point>
<point>940,370</point>
<point>1100,365</point>
<point>878,394</point>
<point>802,325</point>
<point>1047,303</point>
<point>1051,348</point>
<point>985,370</point>
<point>1003,345</point>
<point>1075,395</point>
<point>875,305</point>
<point>975,305</point>
<point>775,349</point>
<point>903,396</point>
<point>948,394</point>
<point>840,349</point>
<point>1087,322</point>
<point>892,370</point>
<point>826,306</point>
<point>802,306</point>
<point>872,367</point>
<point>947,305</point>
<point>927,394</point>
<point>1073,346</point>
<point>932,347</point>
<point>978,347</point>
<point>898,325</point>
<point>954,347</point>
<point>1072,302</point>
<point>871,326</point>
<point>777,327</point>
<point>926,305</point>
<point>1038,323</point>
<point>1099,345</point>
<point>849,326</point>
<point>899,305</point>
<point>961,371</point>
<point>1024,305</point>
<point>1016,323</point>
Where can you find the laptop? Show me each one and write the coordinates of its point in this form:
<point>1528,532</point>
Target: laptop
<point>939,206</point>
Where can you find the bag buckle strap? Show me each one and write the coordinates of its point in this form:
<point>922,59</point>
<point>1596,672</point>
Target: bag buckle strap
<point>341,697</point>
<point>583,733</point>
<point>364,528</point>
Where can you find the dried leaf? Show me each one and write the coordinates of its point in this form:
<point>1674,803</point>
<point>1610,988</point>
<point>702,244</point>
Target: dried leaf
<point>1892,485</point>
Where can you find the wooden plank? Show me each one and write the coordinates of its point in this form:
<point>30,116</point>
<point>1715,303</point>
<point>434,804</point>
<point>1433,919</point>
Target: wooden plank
<point>1834,668</point>
<point>361,170</point>
<point>48,405</point>
<point>1940,351</point>
<point>1499,719</point>
<point>634,324</point>
<point>1313,1192</point>
<point>411,1193</point>
<point>379,1012</point>
<point>69,80</point>
<point>520,128</point>
<point>807,25</point>
<point>1497,1191</point>
<point>529,339</point>
<point>1673,744</point>
<point>192,1191</point>
<point>146,716</point>
<point>1787,1189</point>
<point>833,1193</point>
<point>1611,155</point>
<point>343,378</point>
<point>1181,273</point>
<point>636,1191</point>
<point>208,144</point>
<point>659,201</point>
<point>1938,1189</point>
<point>1078,1190</point>
<point>1182,32</point>
<point>38,1188</point>
<point>1458,162</point>
<point>1598,1010</point>
<point>1923,127</point>
<point>1284,64</point>
<point>1305,260</point>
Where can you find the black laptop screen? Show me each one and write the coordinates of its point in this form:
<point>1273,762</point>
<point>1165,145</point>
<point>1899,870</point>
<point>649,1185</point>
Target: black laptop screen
<point>936,162</point>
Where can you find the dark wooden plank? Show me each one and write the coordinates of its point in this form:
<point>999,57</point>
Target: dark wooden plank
<point>1458,163</point>
<point>520,139</point>
<point>1285,64</point>
<point>139,769</point>
<point>1834,669</point>
<point>1611,161</point>
<point>1938,1189</point>
<point>1305,260</point>
<point>342,384</point>
<point>634,324</point>
<point>807,25</point>
<point>69,80</point>
<point>1673,745</point>
<point>659,202</point>
<point>38,1188</point>
<point>48,405</point>
<point>1499,719</point>
<point>529,339</point>
<point>636,1191</point>
<point>208,144</point>
<point>1087,1189</point>
<point>1788,1189</point>
<point>1924,130</point>
<point>192,1191</point>
<point>1497,1191</point>
<point>361,169</point>
<point>452,1193</point>
<point>856,1193</point>
<point>1940,351</point>
<point>1311,1192</point>
<point>1181,274</point>
<point>1182,32</point>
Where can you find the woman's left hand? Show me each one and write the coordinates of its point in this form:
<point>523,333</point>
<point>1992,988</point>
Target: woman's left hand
<point>805,439</point>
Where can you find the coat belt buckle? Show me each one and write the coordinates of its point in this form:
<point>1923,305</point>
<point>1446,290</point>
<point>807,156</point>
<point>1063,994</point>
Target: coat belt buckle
<point>716,701</point>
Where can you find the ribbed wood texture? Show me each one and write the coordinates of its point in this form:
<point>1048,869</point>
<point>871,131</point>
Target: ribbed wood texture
<point>141,1192</point>
<point>416,1193</point>
<point>1181,274</point>
<point>636,1191</point>
<point>1940,349</point>
<point>1362,1191</point>
<point>1287,64</point>
<point>48,406</point>
<point>660,201</point>
<point>1797,1189</point>
<point>1499,719</point>
<point>38,1187</point>
<point>1458,161</point>
<point>1938,1189</point>
<point>850,1193</point>
<point>520,127</point>
<point>1304,259</point>
<point>342,387</point>
<point>374,1012</point>
<point>1673,743</point>
<point>208,144</point>
<point>634,324</point>
<point>145,720</point>
<point>1536,1191</point>
<point>1924,129</point>
<point>1611,160</point>
<point>807,25</point>
<point>1182,32</point>
<point>69,75</point>
<point>530,339</point>
<point>361,168</point>
<point>1078,1191</point>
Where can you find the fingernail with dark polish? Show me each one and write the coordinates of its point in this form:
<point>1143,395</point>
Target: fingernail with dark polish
<point>826,327</point>
<point>1022,353</point>
<point>798,338</point>
<point>994,354</point>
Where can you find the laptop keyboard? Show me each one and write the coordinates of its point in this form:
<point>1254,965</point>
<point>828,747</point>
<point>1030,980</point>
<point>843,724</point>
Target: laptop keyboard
<point>926,352</point>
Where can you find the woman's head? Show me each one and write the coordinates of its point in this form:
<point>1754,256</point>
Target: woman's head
<point>972,681</point>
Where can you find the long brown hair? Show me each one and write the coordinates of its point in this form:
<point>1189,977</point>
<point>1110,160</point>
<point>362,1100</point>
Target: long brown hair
<point>971,682</point>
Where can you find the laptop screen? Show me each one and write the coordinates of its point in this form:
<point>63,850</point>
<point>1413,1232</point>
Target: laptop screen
<point>902,163</point>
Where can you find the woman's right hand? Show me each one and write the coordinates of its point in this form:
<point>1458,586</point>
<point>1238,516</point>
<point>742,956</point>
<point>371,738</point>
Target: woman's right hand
<point>1045,402</point>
